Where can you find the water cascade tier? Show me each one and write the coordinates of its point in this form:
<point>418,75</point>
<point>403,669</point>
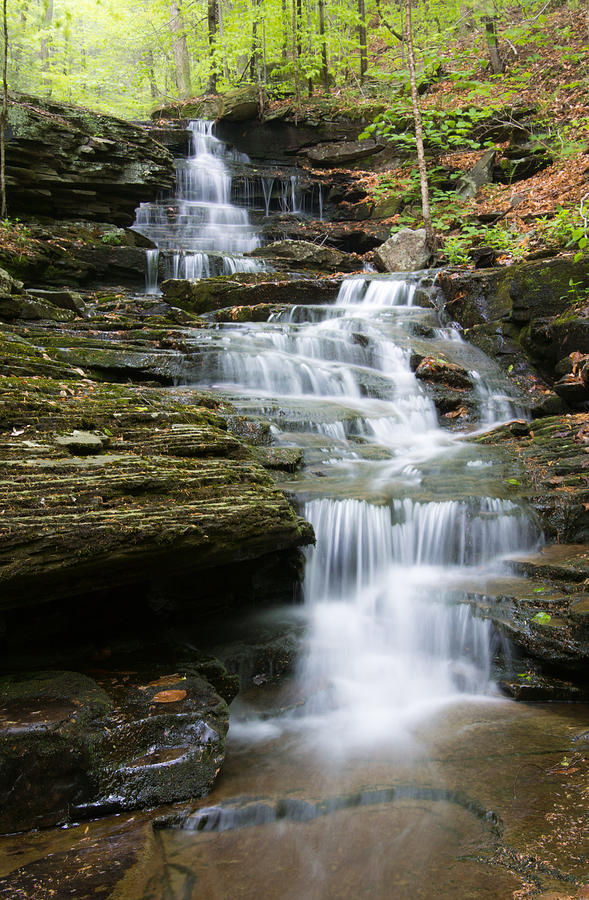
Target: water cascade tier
<point>403,509</point>
<point>206,227</point>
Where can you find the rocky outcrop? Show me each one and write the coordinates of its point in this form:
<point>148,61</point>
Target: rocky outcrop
<point>248,291</point>
<point>106,487</point>
<point>307,256</point>
<point>553,453</point>
<point>69,163</point>
<point>342,153</point>
<point>405,251</point>
<point>72,746</point>
<point>533,319</point>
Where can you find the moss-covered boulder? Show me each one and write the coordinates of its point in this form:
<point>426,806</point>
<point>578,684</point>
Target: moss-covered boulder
<point>306,256</point>
<point>261,292</point>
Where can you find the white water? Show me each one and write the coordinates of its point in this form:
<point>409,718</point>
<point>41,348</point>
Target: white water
<point>202,231</point>
<point>201,219</point>
<point>387,640</point>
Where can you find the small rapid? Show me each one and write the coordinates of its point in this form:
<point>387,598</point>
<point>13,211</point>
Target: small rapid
<point>403,509</point>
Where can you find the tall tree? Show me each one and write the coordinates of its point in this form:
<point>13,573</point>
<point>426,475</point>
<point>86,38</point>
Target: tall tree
<point>213,26</point>
<point>323,38</point>
<point>425,206</point>
<point>47,20</point>
<point>180,48</point>
<point>4,111</point>
<point>362,39</point>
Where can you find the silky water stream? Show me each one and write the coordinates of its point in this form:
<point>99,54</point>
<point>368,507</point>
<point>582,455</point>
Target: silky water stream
<point>387,764</point>
<point>375,771</point>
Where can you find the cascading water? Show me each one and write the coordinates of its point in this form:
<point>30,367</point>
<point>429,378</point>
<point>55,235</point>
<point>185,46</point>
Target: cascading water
<point>387,764</point>
<point>387,639</point>
<point>201,222</point>
<point>205,229</point>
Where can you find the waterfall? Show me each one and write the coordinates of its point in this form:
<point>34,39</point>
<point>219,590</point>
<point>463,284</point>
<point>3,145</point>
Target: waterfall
<point>388,639</point>
<point>399,516</point>
<point>205,228</point>
<point>151,271</point>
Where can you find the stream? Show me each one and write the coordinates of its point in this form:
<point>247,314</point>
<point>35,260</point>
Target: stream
<point>388,765</point>
<point>359,777</point>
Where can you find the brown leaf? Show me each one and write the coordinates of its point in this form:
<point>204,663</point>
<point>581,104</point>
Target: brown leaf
<point>168,696</point>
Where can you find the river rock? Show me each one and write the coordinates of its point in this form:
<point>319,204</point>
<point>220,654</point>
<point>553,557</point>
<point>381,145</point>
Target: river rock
<point>71,746</point>
<point>308,256</point>
<point>69,163</point>
<point>405,251</point>
<point>237,292</point>
<point>440,371</point>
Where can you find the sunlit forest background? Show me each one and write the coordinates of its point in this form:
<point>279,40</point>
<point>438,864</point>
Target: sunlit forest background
<point>128,56</point>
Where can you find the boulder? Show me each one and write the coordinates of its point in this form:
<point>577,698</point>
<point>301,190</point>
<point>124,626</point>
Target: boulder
<point>69,163</point>
<point>71,746</point>
<point>239,104</point>
<point>306,255</point>
<point>440,371</point>
<point>405,251</point>
<point>62,299</point>
<point>481,173</point>
<point>342,153</point>
<point>234,294</point>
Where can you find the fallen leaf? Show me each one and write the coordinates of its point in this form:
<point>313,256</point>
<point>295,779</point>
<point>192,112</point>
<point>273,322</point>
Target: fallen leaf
<point>168,696</point>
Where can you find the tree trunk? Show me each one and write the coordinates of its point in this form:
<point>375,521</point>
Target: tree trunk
<point>4,113</point>
<point>425,207</point>
<point>323,39</point>
<point>284,32</point>
<point>180,48</point>
<point>222,36</point>
<point>296,52</point>
<point>362,39</point>
<point>213,24</point>
<point>47,20</point>
<point>497,65</point>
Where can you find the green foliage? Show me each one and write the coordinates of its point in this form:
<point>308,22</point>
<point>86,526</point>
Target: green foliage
<point>112,238</point>
<point>442,130</point>
<point>567,229</point>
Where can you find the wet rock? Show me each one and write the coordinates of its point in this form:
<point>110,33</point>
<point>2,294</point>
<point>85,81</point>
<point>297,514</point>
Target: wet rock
<point>439,371</point>
<point>308,256</point>
<point>554,457</point>
<point>66,162</point>
<point>286,458</point>
<point>83,443</point>
<point>235,292</point>
<point>261,312</point>
<point>530,685</point>
<point>72,746</point>
<point>405,251</point>
<point>285,131</point>
<point>63,299</point>
<point>342,153</point>
<point>173,491</point>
